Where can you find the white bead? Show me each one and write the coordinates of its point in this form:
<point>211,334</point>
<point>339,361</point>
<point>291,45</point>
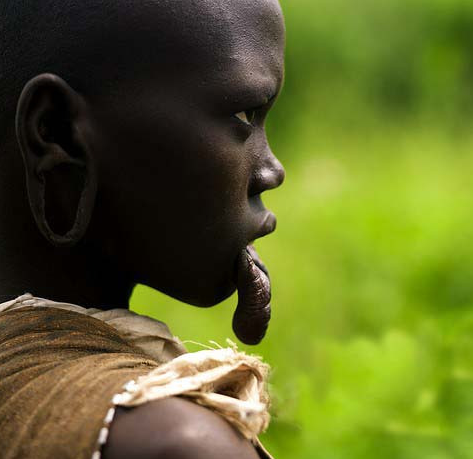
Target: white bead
<point>110,416</point>
<point>130,386</point>
<point>103,435</point>
<point>117,399</point>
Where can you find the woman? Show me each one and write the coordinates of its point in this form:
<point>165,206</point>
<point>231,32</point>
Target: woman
<point>141,131</point>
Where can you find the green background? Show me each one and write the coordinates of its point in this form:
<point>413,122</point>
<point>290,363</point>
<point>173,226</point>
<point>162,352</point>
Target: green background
<point>371,342</point>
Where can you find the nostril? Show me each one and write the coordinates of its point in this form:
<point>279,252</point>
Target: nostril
<point>268,173</point>
<point>267,178</point>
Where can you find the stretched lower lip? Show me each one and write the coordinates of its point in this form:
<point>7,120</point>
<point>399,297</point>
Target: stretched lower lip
<point>256,258</point>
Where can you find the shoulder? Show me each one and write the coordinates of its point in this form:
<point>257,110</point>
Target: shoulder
<point>174,428</point>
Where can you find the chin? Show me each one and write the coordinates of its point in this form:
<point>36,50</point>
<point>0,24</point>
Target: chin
<point>200,295</point>
<point>207,299</point>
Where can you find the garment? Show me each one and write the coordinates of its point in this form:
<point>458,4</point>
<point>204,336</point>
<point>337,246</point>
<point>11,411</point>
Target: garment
<point>64,369</point>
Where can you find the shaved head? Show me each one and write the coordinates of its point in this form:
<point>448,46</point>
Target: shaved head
<point>97,45</point>
<point>139,129</point>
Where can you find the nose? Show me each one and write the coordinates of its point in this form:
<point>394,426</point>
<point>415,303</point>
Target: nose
<point>268,174</point>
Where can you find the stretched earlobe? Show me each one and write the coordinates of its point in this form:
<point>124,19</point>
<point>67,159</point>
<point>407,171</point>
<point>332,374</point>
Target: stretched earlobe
<point>60,171</point>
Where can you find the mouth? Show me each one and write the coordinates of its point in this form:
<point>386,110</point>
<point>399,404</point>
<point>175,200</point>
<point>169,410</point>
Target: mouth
<point>253,313</point>
<point>268,226</point>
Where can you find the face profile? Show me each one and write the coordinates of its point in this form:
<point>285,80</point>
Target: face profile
<point>133,151</point>
<point>191,152</point>
<point>152,159</point>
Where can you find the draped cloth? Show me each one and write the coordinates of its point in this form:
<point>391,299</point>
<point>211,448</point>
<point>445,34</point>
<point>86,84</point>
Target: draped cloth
<point>64,369</point>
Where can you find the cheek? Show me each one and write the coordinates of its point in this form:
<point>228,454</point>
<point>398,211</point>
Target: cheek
<point>175,197</point>
<point>201,163</point>
<point>191,172</point>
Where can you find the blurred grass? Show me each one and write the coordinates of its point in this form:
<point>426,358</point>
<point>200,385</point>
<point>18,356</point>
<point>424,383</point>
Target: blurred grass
<point>372,264</point>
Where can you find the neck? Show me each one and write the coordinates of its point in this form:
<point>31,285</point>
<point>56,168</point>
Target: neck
<point>66,277</point>
<point>80,275</point>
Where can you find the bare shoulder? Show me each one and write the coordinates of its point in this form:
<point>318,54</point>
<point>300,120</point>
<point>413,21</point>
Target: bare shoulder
<point>174,428</point>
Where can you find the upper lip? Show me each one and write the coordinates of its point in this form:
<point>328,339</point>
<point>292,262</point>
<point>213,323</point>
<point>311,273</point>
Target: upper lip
<point>267,225</point>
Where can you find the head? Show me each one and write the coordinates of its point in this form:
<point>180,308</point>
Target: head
<point>141,126</point>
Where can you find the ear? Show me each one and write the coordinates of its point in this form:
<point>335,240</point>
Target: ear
<point>60,172</point>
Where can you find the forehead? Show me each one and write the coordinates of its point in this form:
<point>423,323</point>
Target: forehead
<point>257,44</point>
<point>217,42</point>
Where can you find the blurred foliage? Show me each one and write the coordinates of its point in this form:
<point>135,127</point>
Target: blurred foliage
<point>349,61</point>
<point>372,265</point>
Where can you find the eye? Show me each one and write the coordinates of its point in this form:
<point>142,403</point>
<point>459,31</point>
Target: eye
<point>247,117</point>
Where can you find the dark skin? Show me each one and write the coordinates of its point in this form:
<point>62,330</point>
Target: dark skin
<point>176,428</point>
<point>154,177</point>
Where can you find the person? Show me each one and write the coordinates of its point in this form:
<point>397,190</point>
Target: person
<point>132,150</point>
